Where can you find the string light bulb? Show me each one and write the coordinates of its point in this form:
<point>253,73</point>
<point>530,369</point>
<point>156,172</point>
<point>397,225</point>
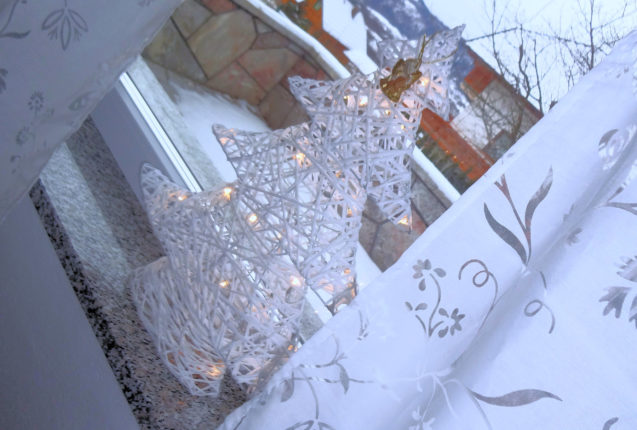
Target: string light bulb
<point>300,158</point>
<point>227,192</point>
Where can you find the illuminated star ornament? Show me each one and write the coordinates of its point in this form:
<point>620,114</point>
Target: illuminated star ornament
<point>309,196</point>
<point>216,301</point>
<point>229,294</point>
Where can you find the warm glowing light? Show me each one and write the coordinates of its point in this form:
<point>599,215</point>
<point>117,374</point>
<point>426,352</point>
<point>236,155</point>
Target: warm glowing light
<point>387,112</point>
<point>214,372</point>
<point>424,81</point>
<point>402,127</point>
<point>224,283</point>
<point>182,197</point>
<point>349,212</point>
<point>253,218</point>
<point>295,282</point>
<point>227,192</point>
<point>404,220</point>
<point>300,157</point>
<point>363,101</point>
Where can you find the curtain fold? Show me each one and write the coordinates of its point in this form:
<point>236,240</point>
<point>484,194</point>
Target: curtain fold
<point>516,309</point>
<point>57,60</point>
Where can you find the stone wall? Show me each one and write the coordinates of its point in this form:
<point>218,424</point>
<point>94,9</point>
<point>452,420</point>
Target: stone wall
<point>385,242</point>
<point>218,44</point>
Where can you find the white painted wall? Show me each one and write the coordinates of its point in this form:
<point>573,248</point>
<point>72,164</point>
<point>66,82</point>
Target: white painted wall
<point>53,374</point>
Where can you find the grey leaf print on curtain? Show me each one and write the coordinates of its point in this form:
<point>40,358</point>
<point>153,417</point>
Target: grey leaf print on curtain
<point>65,24</point>
<point>613,149</point>
<point>608,424</point>
<point>4,30</point>
<point>324,376</point>
<point>506,234</point>
<point>533,307</point>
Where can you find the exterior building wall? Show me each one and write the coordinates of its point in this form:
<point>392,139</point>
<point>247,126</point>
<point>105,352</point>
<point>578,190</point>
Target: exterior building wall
<point>224,47</point>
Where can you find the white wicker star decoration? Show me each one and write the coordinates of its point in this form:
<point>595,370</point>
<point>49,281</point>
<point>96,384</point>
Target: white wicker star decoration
<point>217,301</point>
<point>309,194</point>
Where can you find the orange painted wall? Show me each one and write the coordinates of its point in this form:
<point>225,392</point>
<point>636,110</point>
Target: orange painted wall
<point>470,160</point>
<point>312,10</point>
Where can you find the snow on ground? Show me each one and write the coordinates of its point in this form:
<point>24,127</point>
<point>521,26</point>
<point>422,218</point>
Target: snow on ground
<point>201,109</point>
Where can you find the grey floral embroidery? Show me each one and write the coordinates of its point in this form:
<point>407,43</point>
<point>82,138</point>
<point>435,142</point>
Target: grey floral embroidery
<point>300,374</point>
<point>506,234</point>
<point>628,268</point>
<point>479,279</point>
<point>615,299</point>
<point>512,399</point>
<point>25,135</point>
<point>608,424</point>
<point>4,32</point>
<point>25,138</point>
<point>616,296</point>
<point>36,102</point>
<point>628,207</point>
<point>440,320</point>
<point>525,252</point>
<point>423,418</point>
<point>3,84</point>
<point>612,145</point>
<point>65,24</point>
<point>534,306</point>
<point>422,423</point>
<point>516,398</point>
<point>81,101</point>
<point>573,236</point>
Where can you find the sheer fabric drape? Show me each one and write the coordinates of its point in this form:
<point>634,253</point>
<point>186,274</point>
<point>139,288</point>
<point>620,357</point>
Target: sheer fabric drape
<point>57,59</point>
<point>516,309</point>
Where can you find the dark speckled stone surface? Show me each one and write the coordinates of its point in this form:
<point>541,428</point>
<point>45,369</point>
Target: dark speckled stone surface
<point>100,233</point>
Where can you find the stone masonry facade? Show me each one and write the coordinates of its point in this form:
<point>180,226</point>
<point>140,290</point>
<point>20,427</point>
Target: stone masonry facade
<point>224,47</point>
<point>218,44</point>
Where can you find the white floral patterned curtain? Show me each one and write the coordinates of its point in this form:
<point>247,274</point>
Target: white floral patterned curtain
<point>57,59</point>
<point>516,310</point>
